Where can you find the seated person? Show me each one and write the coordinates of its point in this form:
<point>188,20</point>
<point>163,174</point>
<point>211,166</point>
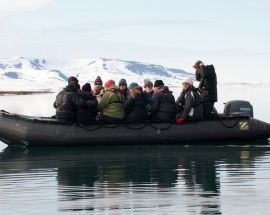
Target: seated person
<point>111,106</point>
<point>163,106</point>
<point>188,104</point>
<point>135,105</point>
<point>148,94</point>
<point>67,101</point>
<point>98,88</point>
<point>123,87</point>
<point>87,114</point>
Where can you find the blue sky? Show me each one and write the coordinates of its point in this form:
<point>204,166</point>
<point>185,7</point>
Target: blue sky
<point>234,35</point>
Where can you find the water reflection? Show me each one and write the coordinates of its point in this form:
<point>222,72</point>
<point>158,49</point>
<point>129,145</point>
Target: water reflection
<point>137,178</point>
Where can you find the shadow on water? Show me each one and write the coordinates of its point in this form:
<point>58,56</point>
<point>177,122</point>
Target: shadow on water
<point>96,172</point>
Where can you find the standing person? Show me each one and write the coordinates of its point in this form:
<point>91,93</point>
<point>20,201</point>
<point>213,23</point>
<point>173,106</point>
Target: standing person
<point>87,114</point>
<point>163,106</point>
<point>123,87</point>
<point>206,75</point>
<point>111,105</point>
<point>67,101</point>
<point>135,105</point>
<point>98,88</point>
<point>188,104</point>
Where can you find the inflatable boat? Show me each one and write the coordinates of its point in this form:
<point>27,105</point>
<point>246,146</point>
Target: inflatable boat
<point>236,123</point>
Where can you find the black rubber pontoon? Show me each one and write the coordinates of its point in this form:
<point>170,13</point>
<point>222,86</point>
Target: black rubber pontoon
<point>38,131</point>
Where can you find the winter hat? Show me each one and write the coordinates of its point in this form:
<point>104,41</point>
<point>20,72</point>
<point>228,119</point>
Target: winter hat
<point>147,82</point>
<point>72,80</point>
<point>158,83</point>
<point>98,81</point>
<point>132,85</point>
<point>86,87</point>
<point>198,64</point>
<point>109,83</point>
<point>187,80</point>
<point>122,82</point>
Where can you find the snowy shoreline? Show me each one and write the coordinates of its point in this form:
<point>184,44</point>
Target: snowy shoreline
<point>24,92</point>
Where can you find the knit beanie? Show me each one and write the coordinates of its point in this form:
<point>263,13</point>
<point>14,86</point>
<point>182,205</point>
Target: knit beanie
<point>109,83</point>
<point>158,83</point>
<point>98,81</point>
<point>122,82</point>
<point>188,80</point>
<point>147,82</point>
<point>132,85</point>
<point>86,87</point>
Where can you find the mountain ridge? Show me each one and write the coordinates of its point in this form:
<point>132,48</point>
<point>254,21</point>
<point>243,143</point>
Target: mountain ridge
<point>20,73</point>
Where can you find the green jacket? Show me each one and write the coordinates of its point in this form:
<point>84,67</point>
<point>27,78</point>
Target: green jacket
<point>111,104</point>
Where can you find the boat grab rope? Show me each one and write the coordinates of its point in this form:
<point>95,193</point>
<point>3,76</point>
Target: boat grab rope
<point>90,129</point>
<point>126,126</point>
<point>137,128</point>
<point>111,126</point>
<point>150,124</point>
<point>230,126</point>
<point>101,125</point>
<point>161,129</point>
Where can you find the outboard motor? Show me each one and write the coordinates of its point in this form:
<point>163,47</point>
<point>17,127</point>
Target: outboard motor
<point>238,108</point>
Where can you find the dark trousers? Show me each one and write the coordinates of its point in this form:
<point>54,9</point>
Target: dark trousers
<point>208,109</point>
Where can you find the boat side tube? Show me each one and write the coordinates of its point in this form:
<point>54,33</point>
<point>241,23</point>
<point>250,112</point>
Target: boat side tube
<point>37,131</point>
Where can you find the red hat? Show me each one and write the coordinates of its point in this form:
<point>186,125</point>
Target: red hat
<point>109,83</point>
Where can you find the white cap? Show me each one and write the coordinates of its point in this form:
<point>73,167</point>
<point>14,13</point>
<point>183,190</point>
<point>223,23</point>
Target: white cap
<point>188,80</point>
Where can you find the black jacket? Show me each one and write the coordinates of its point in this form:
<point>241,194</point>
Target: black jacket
<point>189,104</point>
<point>208,83</point>
<point>66,104</point>
<point>163,105</point>
<point>135,108</point>
<point>125,93</point>
<point>87,112</point>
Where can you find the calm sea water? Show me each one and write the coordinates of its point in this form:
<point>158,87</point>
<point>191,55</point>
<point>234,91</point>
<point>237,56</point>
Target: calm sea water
<point>136,180</point>
<point>143,179</point>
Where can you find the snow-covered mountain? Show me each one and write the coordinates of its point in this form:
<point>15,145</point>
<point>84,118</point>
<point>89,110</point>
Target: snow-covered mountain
<point>21,73</point>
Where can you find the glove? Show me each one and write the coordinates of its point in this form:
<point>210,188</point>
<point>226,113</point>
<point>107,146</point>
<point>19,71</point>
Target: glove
<point>180,120</point>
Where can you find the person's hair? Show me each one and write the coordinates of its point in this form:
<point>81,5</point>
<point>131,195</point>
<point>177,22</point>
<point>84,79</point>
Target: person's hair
<point>198,64</point>
<point>86,87</point>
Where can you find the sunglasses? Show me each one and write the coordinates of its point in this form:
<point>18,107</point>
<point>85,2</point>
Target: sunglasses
<point>149,85</point>
<point>98,84</point>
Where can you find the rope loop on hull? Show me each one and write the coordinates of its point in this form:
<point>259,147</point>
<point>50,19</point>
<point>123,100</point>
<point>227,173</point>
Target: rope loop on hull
<point>230,126</point>
<point>111,125</point>
<point>125,125</point>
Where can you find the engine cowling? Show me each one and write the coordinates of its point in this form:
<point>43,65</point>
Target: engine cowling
<point>238,108</point>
